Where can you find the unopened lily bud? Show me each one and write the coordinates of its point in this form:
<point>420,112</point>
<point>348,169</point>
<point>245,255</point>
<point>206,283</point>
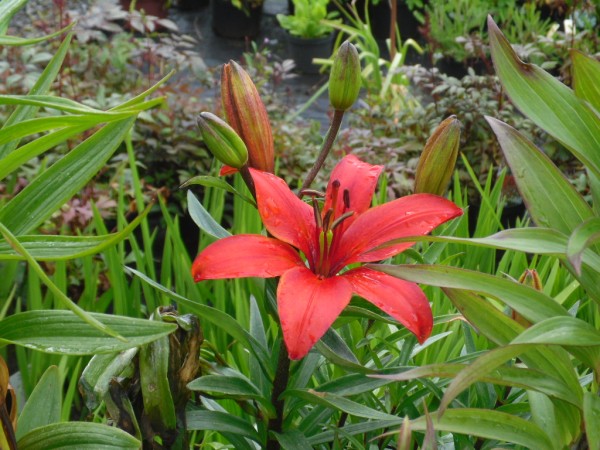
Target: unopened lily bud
<point>405,436</point>
<point>247,115</point>
<point>437,161</point>
<point>222,140</point>
<point>344,79</point>
<point>529,278</point>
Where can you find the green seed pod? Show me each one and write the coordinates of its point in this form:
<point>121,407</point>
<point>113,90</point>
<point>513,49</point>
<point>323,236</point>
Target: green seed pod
<point>222,140</point>
<point>344,79</point>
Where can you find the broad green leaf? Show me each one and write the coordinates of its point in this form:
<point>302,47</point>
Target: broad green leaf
<point>101,369</point>
<point>591,415</point>
<point>221,422</point>
<point>8,8</point>
<point>543,413</point>
<point>50,190</point>
<point>225,386</point>
<point>335,349</point>
<point>78,435</point>
<point>547,102</point>
<point>292,440</point>
<point>42,85</point>
<point>550,198</point>
<point>563,331</point>
<point>338,402</point>
<point>43,405</point>
<point>154,382</point>
<point>60,247</point>
<point>216,182</point>
<point>535,306</point>
<point>216,317</point>
<point>585,235</point>
<point>203,219</point>
<point>523,378</point>
<point>488,424</point>
<point>62,332</point>
<point>501,329</point>
<point>586,78</point>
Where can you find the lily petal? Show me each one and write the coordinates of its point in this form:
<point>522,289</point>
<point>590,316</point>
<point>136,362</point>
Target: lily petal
<point>359,179</point>
<point>245,255</point>
<point>285,216</point>
<point>402,300</point>
<point>308,305</point>
<point>227,170</point>
<point>413,215</point>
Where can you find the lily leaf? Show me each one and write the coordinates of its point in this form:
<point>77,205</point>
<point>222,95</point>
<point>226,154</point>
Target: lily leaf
<point>43,405</point>
<point>488,424</point>
<point>62,332</point>
<point>209,181</point>
<point>550,198</point>
<point>50,190</point>
<point>586,78</point>
<point>584,236</point>
<point>79,435</point>
<point>41,86</point>
<point>222,422</point>
<point>591,414</point>
<point>60,247</point>
<point>547,102</point>
<point>203,219</point>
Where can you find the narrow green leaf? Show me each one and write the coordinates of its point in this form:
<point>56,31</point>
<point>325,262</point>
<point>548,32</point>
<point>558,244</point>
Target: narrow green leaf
<point>203,219</point>
<point>584,236</point>
<point>335,349</point>
<point>140,97</point>
<point>488,424</point>
<point>535,306</point>
<point>60,247</point>
<point>591,415</point>
<point>226,386</point>
<point>354,429</point>
<point>42,85</point>
<point>221,422</point>
<point>20,41</point>
<point>51,102</point>
<point>8,8</point>
<point>58,293</point>
<point>292,440</point>
<point>503,376</point>
<point>43,405</point>
<point>338,402</point>
<point>549,103</point>
<point>586,78</point>
<point>62,332</point>
<point>36,147</point>
<point>209,181</point>
<point>550,198</point>
<point>78,435</point>
<point>50,190</point>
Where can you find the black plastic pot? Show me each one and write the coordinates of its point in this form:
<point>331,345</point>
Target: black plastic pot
<point>303,51</point>
<point>233,23</point>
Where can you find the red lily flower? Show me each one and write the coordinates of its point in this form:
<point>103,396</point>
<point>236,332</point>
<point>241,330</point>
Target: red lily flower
<point>312,294</point>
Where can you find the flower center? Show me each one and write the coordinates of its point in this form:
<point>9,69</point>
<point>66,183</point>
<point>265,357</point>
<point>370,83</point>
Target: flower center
<point>328,225</point>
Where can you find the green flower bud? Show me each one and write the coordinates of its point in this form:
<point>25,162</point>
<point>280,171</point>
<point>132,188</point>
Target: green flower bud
<point>437,161</point>
<point>344,79</point>
<point>222,140</point>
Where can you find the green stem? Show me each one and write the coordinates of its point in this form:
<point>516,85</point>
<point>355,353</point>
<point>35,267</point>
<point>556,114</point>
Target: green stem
<point>336,122</point>
<point>247,177</point>
<point>280,382</point>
